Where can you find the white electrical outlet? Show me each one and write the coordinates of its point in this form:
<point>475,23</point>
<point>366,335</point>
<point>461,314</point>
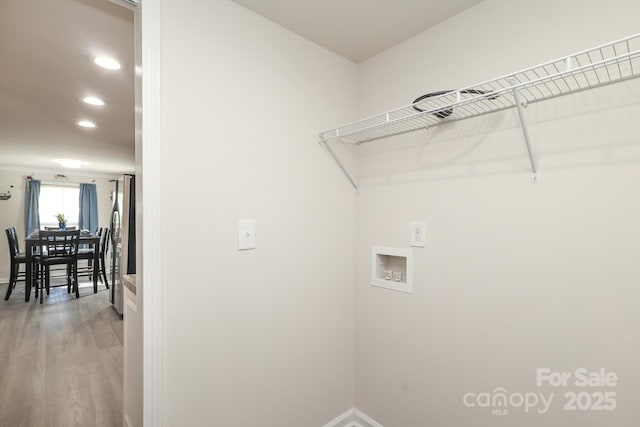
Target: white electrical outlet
<point>417,231</point>
<point>246,235</point>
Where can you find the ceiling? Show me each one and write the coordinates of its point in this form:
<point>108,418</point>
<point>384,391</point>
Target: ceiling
<point>46,51</point>
<point>357,29</point>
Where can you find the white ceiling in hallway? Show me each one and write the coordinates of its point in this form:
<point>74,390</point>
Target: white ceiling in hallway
<point>357,29</point>
<point>46,50</point>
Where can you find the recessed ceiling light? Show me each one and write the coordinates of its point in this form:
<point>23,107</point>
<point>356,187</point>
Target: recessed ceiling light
<point>86,124</point>
<point>93,100</point>
<point>106,62</point>
<point>69,163</point>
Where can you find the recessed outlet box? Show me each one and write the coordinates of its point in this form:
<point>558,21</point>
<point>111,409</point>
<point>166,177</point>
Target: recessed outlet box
<point>392,268</point>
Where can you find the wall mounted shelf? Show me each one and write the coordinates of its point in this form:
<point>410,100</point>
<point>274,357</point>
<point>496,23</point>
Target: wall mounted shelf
<point>609,63</point>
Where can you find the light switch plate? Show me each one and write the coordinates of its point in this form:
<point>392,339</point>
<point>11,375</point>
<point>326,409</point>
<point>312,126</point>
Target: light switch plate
<point>246,235</point>
<point>417,231</point>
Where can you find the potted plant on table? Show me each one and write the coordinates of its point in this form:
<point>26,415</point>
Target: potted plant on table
<point>62,221</point>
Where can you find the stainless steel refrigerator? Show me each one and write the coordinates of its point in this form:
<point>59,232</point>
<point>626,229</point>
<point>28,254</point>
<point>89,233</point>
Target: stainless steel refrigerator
<point>123,237</point>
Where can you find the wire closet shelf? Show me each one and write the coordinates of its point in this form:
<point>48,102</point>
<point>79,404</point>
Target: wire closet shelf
<point>609,63</point>
<point>612,62</point>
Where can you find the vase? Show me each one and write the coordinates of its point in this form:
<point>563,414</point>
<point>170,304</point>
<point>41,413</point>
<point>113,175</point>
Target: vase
<point>62,226</point>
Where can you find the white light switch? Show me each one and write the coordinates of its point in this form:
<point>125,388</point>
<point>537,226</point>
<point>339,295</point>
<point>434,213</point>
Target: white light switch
<point>246,235</point>
<point>417,232</point>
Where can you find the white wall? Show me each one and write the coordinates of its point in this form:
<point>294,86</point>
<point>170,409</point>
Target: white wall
<point>12,210</point>
<point>263,337</point>
<point>11,215</point>
<point>514,276</point>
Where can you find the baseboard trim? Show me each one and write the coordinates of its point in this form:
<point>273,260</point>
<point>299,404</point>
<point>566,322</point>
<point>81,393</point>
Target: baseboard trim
<point>4,280</point>
<point>353,418</point>
<point>344,420</point>
<point>363,420</point>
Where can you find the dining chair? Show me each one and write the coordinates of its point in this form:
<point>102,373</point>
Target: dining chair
<point>16,258</point>
<point>15,238</point>
<point>86,252</point>
<point>58,248</point>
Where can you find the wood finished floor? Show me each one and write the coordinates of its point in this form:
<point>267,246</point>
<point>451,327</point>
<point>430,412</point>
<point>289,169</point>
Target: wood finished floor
<point>60,362</point>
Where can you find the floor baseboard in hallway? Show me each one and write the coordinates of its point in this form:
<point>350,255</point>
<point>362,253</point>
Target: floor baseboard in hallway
<point>60,362</point>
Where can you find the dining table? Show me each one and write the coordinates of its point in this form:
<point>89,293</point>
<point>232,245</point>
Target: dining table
<point>31,242</point>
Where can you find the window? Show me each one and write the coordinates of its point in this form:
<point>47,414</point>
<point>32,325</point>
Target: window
<point>55,199</point>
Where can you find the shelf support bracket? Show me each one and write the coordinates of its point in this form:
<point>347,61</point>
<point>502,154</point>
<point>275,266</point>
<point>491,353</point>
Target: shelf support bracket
<point>525,132</point>
<point>342,168</point>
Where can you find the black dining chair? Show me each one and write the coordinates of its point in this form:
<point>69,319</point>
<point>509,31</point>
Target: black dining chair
<point>58,248</point>
<point>103,248</point>
<point>88,255</point>
<point>85,252</point>
<point>16,258</point>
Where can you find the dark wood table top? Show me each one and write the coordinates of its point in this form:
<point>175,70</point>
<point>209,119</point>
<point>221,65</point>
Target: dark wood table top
<point>86,237</point>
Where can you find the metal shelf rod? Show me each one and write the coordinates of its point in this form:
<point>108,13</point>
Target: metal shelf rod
<point>527,140</point>
<point>344,170</point>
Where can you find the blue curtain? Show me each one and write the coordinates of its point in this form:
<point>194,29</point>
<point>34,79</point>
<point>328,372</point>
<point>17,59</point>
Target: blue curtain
<point>88,208</point>
<point>32,207</point>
